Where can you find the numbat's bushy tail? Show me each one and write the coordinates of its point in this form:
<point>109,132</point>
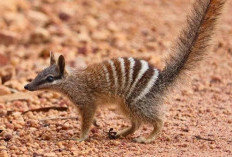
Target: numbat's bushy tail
<point>133,84</point>
<point>193,41</point>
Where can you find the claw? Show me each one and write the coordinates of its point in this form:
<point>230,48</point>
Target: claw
<point>142,140</point>
<point>78,139</point>
<point>112,134</point>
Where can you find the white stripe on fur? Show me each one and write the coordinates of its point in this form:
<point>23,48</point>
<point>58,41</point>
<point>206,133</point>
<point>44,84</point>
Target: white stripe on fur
<point>143,69</point>
<point>148,86</point>
<point>107,76</point>
<point>122,65</point>
<point>131,71</point>
<point>114,75</point>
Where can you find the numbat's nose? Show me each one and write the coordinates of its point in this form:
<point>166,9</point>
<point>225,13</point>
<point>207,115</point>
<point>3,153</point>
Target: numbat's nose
<point>26,87</point>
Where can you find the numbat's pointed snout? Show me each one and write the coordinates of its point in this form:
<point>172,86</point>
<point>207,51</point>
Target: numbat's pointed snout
<point>26,87</point>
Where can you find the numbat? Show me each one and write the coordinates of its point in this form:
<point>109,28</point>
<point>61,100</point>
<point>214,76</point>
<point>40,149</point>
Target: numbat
<point>134,85</point>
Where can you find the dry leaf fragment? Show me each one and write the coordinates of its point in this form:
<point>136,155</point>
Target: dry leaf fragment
<point>15,96</point>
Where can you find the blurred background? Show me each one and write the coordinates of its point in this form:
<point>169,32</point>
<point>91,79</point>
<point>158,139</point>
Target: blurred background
<point>89,31</point>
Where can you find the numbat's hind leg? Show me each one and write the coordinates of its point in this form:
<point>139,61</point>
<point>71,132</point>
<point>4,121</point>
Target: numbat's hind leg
<point>130,130</point>
<point>157,128</point>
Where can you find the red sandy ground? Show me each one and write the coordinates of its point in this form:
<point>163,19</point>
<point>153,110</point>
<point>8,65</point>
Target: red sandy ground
<point>199,116</point>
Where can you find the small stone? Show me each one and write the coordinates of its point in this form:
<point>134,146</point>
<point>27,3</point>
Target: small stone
<point>65,126</point>
<point>18,126</point>
<point>94,130</point>
<point>168,139</point>
<point>91,22</point>
<point>184,145</point>
<point>4,90</point>
<point>32,123</point>
<point>112,27</point>
<point>215,79</point>
<point>40,35</point>
<point>3,153</point>
<point>6,136</point>
<point>60,144</point>
<point>14,84</point>
<point>50,154</point>
<point>45,53</point>
<point>18,22</point>
<point>46,136</point>
<point>9,126</point>
<point>82,50</point>
<point>49,1</point>
<point>2,129</point>
<point>38,18</point>
<point>7,73</point>
<point>15,61</point>
<point>229,121</point>
<point>30,115</point>
<point>56,95</point>
<point>115,143</point>
<point>3,60</point>
<point>64,16</point>
<point>21,106</point>
<point>100,35</point>
<point>7,37</point>
<point>8,5</point>
<point>83,37</point>
<point>2,147</point>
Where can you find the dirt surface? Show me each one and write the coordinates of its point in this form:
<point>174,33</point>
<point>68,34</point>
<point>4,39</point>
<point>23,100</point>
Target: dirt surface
<point>199,116</point>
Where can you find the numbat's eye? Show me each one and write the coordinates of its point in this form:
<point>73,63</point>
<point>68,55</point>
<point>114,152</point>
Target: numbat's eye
<point>50,79</point>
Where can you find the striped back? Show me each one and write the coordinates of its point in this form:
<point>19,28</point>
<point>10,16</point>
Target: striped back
<point>128,77</point>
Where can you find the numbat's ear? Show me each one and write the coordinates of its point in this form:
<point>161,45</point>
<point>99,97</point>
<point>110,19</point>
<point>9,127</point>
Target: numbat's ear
<point>52,58</point>
<point>61,64</point>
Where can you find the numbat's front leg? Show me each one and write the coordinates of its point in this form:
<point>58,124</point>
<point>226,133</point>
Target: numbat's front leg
<point>87,120</point>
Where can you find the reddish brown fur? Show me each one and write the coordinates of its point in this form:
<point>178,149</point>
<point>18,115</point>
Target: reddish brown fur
<point>88,88</point>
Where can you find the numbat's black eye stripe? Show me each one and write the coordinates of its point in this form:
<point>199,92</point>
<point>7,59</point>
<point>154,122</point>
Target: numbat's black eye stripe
<point>57,77</point>
<point>46,81</point>
<point>53,78</point>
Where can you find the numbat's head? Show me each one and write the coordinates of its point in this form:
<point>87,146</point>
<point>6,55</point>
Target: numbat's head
<point>50,77</point>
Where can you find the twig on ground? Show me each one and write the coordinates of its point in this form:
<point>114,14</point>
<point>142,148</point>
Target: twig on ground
<point>202,138</point>
<point>15,96</point>
<point>59,118</point>
<point>46,109</point>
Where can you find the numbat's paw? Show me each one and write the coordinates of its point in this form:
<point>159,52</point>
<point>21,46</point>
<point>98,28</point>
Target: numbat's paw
<point>124,133</point>
<point>142,140</point>
<point>79,139</point>
<point>112,134</point>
